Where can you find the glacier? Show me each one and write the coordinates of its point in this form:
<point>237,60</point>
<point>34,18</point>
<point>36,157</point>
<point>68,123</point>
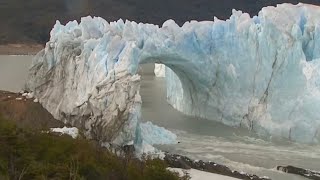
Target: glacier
<point>257,72</point>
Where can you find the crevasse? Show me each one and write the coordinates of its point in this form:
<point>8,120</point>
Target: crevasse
<point>260,73</point>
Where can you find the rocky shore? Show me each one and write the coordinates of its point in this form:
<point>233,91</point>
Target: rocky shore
<point>183,162</point>
<point>300,171</point>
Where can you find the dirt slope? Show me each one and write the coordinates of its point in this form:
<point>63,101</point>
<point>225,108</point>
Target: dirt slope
<point>25,112</point>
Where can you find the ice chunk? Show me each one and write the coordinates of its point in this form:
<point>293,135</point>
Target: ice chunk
<point>148,135</point>
<point>73,132</point>
<point>159,70</point>
<point>29,95</point>
<point>153,134</point>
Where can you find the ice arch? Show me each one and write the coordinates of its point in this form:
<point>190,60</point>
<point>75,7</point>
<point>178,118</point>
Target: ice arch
<point>260,72</point>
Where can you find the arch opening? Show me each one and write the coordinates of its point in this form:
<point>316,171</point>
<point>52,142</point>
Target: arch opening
<point>187,89</point>
<point>161,107</point>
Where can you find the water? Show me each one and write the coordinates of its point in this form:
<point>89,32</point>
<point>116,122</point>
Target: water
<point>211,141</point>
<point>200,138</point>
<point>13,72</point>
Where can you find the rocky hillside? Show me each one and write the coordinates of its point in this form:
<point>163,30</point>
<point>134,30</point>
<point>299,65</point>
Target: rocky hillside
<point>30,21</point>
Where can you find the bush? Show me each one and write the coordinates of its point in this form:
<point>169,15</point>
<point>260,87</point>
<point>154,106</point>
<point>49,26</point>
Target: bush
<point>34,155</point>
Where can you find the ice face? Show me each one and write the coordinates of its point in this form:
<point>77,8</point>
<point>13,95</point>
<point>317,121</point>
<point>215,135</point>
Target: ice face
<point>260,72</point>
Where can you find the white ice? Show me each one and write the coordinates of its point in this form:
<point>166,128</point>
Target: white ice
<point>154,135</point>
<point>73,132</point>
<point>159,70</point>
<point>260,73</point>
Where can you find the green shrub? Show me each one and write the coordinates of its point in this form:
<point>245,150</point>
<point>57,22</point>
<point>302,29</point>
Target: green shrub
<point>28,154</point>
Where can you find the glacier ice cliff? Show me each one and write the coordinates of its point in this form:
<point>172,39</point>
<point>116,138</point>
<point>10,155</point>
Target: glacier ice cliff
<point>260,73</point>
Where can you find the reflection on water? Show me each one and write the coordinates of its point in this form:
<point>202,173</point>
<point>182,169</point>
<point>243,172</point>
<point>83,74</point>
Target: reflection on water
<point>211,141</point>
<point>13,72</point>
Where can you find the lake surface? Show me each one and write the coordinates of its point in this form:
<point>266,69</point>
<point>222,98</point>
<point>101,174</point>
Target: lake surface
<point>200,138</point>
<point>13,72</point>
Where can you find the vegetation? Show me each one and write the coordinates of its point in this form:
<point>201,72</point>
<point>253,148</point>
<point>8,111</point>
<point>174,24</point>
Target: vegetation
<point>34,155</point>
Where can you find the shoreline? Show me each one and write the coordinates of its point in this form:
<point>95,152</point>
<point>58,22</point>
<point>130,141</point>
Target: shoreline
<point>20,49</point>
<point>184,162</point>
<point>28,113</point>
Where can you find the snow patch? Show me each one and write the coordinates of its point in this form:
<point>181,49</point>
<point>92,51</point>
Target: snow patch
<point>73,132</point>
